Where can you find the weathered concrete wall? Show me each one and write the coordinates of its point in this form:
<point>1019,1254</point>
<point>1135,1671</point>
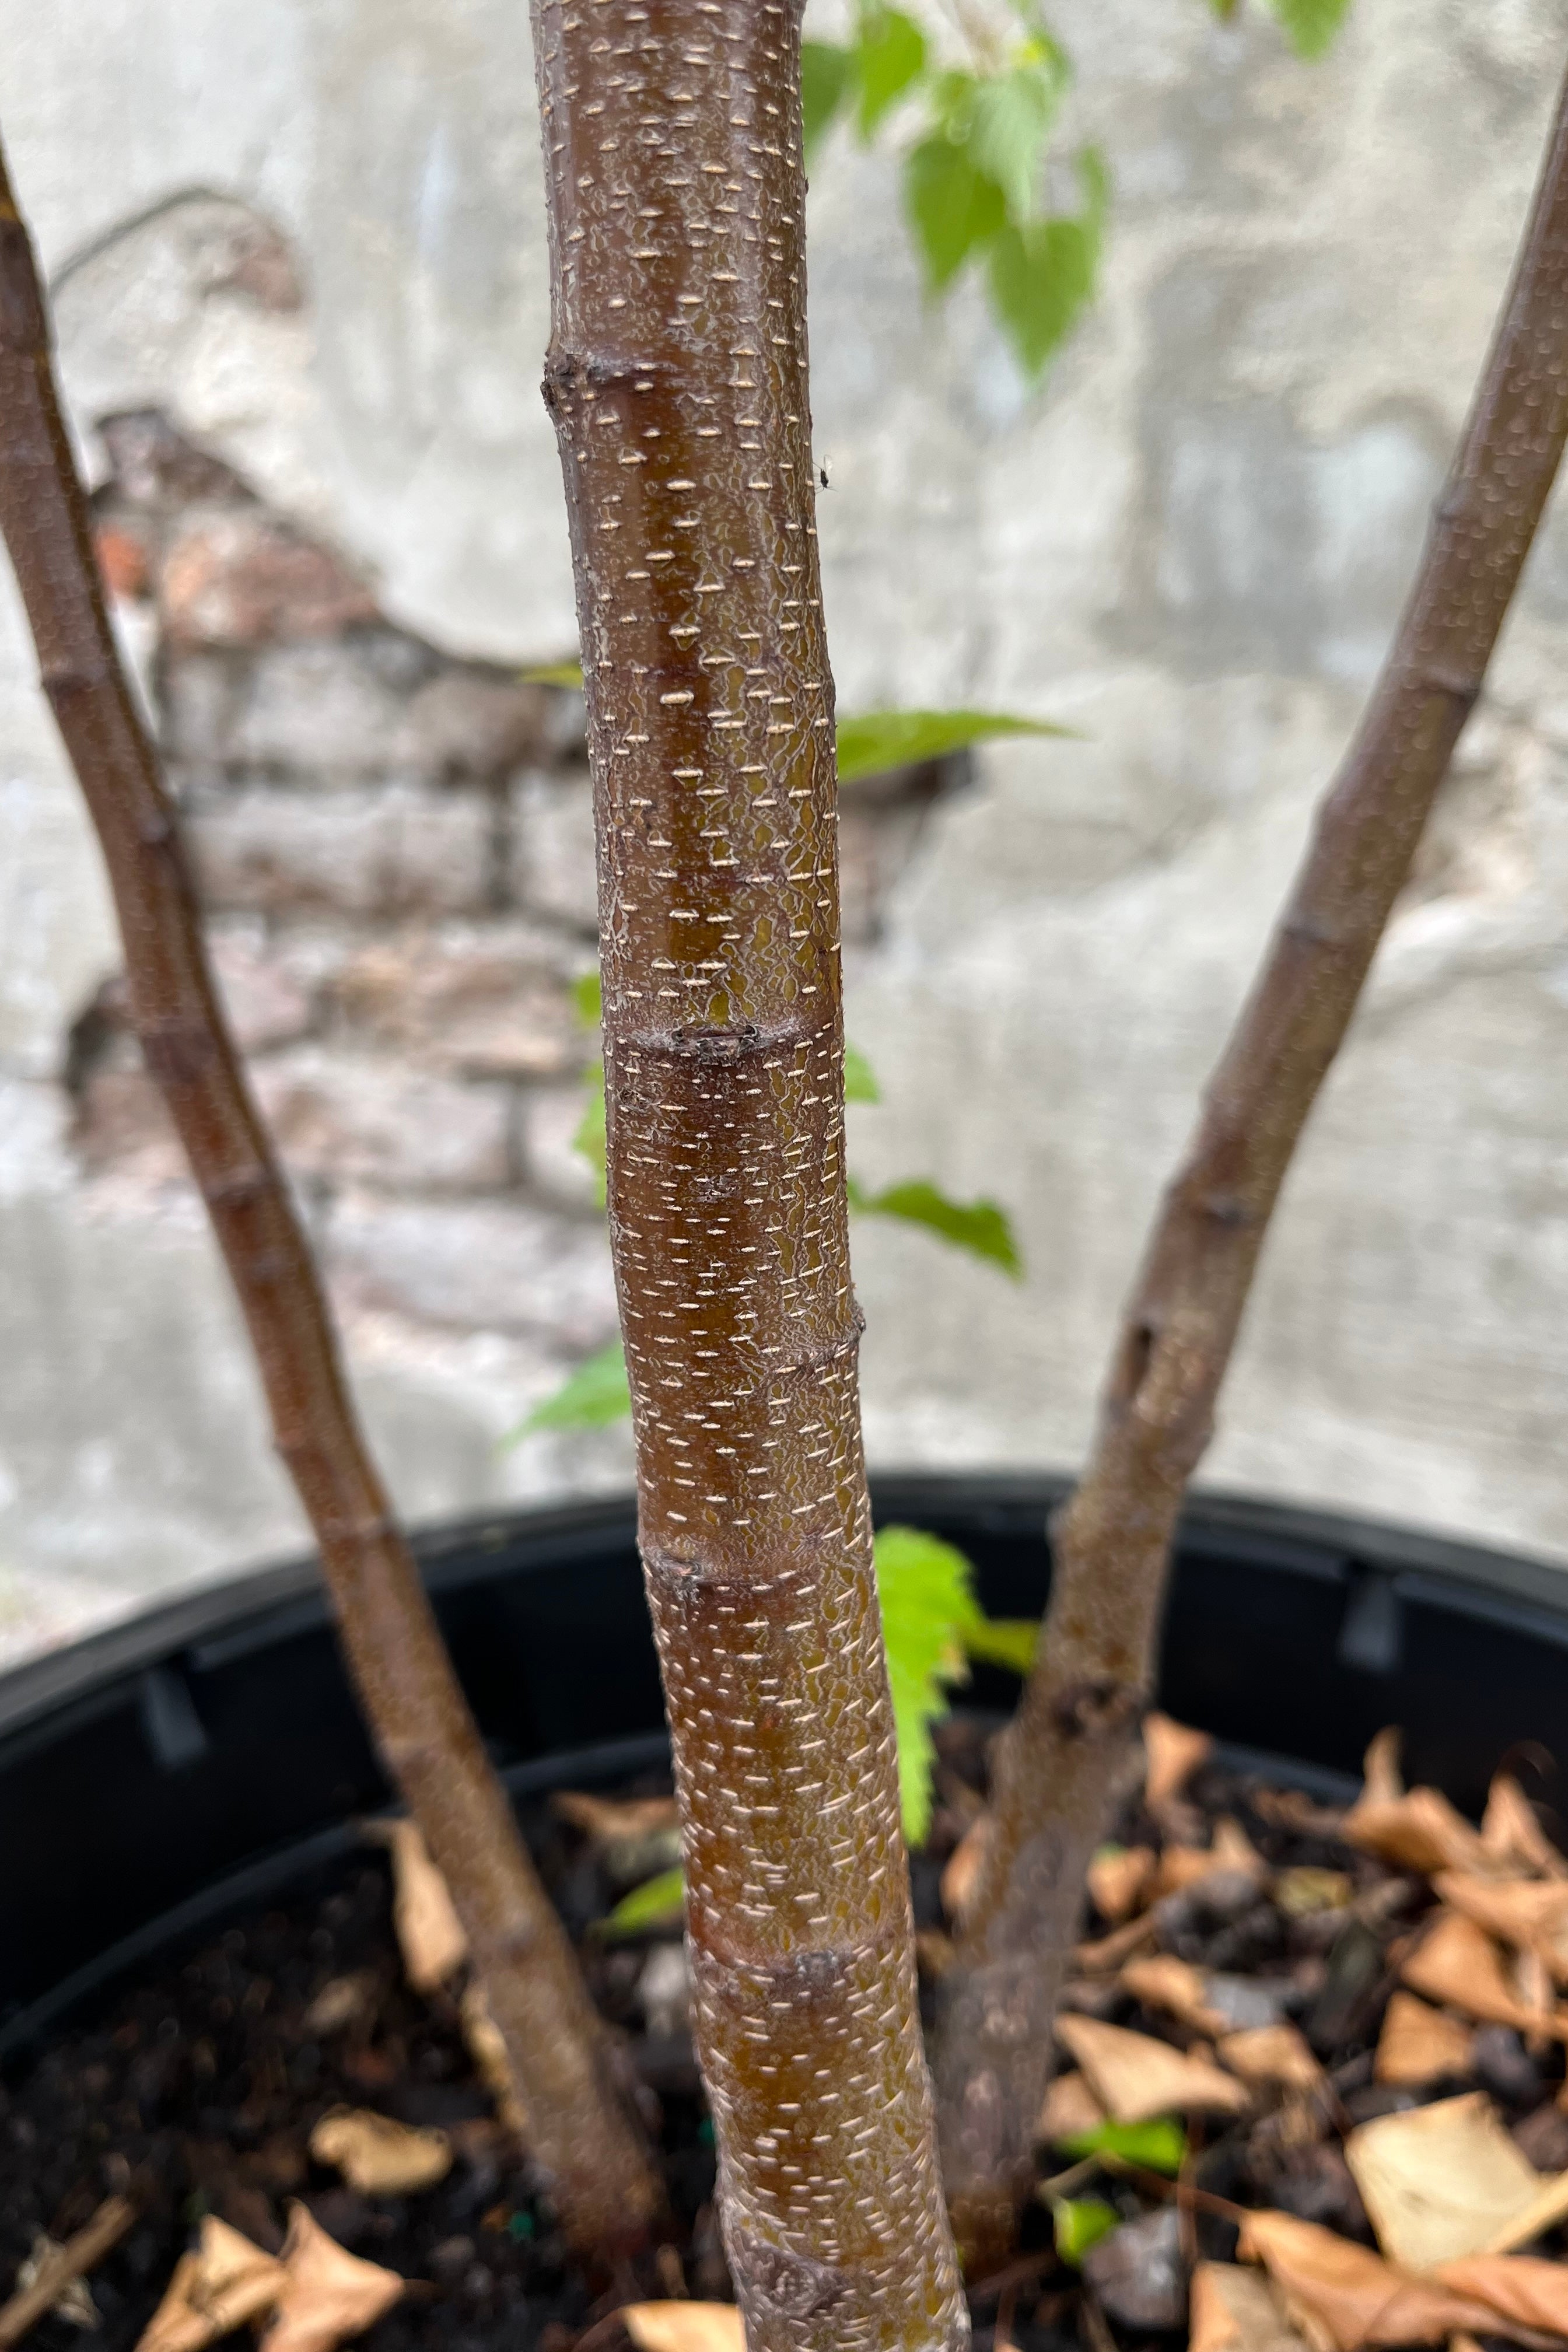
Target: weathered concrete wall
<point>1192,547</point>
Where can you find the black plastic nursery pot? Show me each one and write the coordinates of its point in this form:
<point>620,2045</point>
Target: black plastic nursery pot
<point>177,1770</point>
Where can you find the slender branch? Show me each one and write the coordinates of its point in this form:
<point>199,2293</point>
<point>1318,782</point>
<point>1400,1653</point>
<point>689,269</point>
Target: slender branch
<point>678,380</point>
<point>1059,1762</point>
<point>579,2127</point>
<point>63,2267</point>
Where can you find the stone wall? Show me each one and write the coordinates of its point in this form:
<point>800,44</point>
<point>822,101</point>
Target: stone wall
<point>298,253</point>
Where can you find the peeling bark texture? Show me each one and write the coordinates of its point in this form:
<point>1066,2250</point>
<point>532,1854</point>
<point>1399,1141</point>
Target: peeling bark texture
<point>1059,1762</point>
<point>676,376</point>
<point>579,2129</point>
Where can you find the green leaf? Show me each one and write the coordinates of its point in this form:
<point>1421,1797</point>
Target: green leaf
<point>1043,273</point>
<point>1079,2224</point>
<point>891,55</point>
<point>951,204</point>
<point>591,1139</point>
<point>1159,2146</point>
<point>595,1395</point>
<point>1009,123</point>
<point>566,673</point>
<point>981,1227</point>
<point>826,75</point>
<point>587,999</point>
<point>880,740</point>
<point>1310,26</point>
<point>656,1903</point>
<point>1009,1641</point>
<point>859,1078</point>
<point>925,1588</point>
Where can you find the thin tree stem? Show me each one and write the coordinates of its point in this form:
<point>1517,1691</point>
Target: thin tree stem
<point>1058,1766</point>
<point>579,2129</point>
<point>676,376</point>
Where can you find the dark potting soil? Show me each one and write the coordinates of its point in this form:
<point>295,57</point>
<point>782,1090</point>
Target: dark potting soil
<point>197,2089</point>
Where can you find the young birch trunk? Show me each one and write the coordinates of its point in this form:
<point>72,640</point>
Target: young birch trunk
<point>1060,1762</point>
<point>676,376</point>
<point>578,2126</point>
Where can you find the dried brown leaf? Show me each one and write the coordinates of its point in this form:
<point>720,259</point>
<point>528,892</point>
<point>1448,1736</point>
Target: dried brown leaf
<point>1164,1982</point>
<point>1171,1753</point>
<point>1458,1964</point>
<point>683,2326</point>
<point>1119,1882</point>
<point>1530,1913</point>
<point>378,2156</point>
<point>430,1933</point>
<point>1440,2181</point>
<point>1421,1831</point>
<point>213,2290</point>
<point>1343,2296</point>
<point>329,2295</point>
<point>607,1821</point>
<point>1306,1890</point>
<point>488,2049</point>
<point>1109,1951</point>
<point>1272,2053</point>
<point>1512,1831</point>
<point>1070,2108</point>
<point>1520,2290</point>
<point>1418,2044</point>
<point>963,1866</point>
<point>1136,2077</point>
<point>1235,2310</point>
<point>1381,1780</point>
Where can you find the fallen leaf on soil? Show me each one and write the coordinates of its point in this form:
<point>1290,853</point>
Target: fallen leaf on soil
<point>1457,1963</point>
<point>488,2050</point>
<point>1382,1779</point>
<point>963,1866</point>
<point>1342,2296</point>
<point>1165,1983</point>
<point>1421,1831</point>
<point>1136,2077</point>
<point>378,2156</point>
<point>1417,2044</point>
<point>1545,2209</point>
<point>1529,1912</point>
<point>683,2326</point>
<point>327,2293</point>
<point>1119,1878</point>
<point>215,2290</point>
<point>74,2302</point>
<point>1181,1866</point>
<point>1305,1890</point>
<point>1070,2108</point>
<point>429,1932</point>
<point>1235,2310</point>
<point>340,2002</point>
<point>1512,1831</point>
<point>1271,2053</point>
<point>1440,2181</point>
<point>1109,1951</point>
<point>1172,1752</point>
<point>1516,2288</point>
<point>607,1820</point>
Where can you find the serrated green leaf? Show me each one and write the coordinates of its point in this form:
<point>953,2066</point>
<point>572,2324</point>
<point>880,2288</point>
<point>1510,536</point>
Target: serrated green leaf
<point>880,740</point>
<point>656,1903</point>
<point>826,78</point>
<point>1043,273</point>
<point>1009,123</point>
<point>566,673</point>
<point>587,999</point>
<point>1310,26</point>
<point>890,55</point>
<point>981,1227</point>
<point>1159,2145</point>
<point>859,1078</point>
<point>925,1588</point>
<point>589,1140</point>
<point>1079,2223</point>
<point>595,1395</point>
<point>1009,1641</point>
<point>952,207</point>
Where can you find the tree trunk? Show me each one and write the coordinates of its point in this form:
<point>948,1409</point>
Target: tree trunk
<point>579,2127</point>
<point>1060,1763</point>
<point>676,376</point>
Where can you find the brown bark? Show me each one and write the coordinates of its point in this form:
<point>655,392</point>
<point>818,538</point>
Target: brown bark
<point>578,2126</point>
<point>1059,1762</point>
<point>677,378</point>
